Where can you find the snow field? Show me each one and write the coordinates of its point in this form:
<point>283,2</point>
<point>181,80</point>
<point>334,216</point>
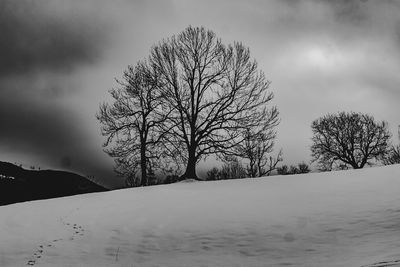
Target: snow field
<point>346,218</point>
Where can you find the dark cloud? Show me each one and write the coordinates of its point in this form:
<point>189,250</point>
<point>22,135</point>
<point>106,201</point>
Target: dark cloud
<point>35,126</point>
<point>58,59</point>
<point>34,37</point>
<point>352,11</point>
<point>43,45</point>
<point>66,162</point>
<point>50,134</point>
<point>364,13</point>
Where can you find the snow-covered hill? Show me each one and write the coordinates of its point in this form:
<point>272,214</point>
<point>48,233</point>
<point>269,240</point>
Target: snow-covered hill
<point>348,218</point>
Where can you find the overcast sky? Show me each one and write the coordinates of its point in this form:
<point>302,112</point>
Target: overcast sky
<point>59,58</point>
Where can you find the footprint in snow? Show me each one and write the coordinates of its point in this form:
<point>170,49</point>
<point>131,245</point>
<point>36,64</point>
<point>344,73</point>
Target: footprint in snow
<point>393,263</point>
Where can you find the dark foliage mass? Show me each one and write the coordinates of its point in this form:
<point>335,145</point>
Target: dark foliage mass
<point>170,179</point>
<point>292,169</point>
<point>352,139</point>
<point>231,169</point>
<point>33,39</point>
<point>18,184</point>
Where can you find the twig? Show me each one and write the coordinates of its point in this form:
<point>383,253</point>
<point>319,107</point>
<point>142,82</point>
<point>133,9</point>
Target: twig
<point>116,256</point>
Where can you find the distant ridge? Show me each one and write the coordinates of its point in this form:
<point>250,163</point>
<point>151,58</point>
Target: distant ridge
<point>18,184</point>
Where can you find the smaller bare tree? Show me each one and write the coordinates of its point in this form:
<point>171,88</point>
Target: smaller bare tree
<point>271,164</point>
<point>232,169</point>
<point>393,156</point>
<point>130,124</point>
<point>354,139</point>
<point>256,149</point>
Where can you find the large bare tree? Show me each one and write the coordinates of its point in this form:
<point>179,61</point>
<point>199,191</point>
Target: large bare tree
<point>130,123</point>
<point>351,138</point>
<point>214,90</point>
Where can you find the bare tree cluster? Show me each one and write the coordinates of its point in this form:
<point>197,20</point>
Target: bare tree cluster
<point>194,96</point>
<point>352,139</point>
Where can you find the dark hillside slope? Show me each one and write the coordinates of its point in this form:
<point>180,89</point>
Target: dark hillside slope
<point>18,184</point>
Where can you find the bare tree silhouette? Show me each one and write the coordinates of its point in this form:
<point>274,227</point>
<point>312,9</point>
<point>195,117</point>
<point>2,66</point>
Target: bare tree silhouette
<point>256,149</point>
<point>215,92</point>
<point>130,123</point>
<point>293,169</point>
<point>393,156</point>
<point>351,138</point>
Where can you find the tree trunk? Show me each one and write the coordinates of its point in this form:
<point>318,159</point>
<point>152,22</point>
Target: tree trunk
<point>143,168</point>
<point>355,166</point>
<point>190,172</point>
<point>363,162</point>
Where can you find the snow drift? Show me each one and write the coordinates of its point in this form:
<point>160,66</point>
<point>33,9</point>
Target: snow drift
<point>346,218</point>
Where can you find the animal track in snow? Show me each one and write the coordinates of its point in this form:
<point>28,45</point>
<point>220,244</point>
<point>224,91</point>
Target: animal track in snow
<point>75,229</point>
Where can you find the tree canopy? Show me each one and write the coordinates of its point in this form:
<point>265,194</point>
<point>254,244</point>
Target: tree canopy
<point>216,92</point>
<point>354,139</point>
<point>192,97</point>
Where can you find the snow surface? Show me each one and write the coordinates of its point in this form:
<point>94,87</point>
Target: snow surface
<point>347,218</point>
